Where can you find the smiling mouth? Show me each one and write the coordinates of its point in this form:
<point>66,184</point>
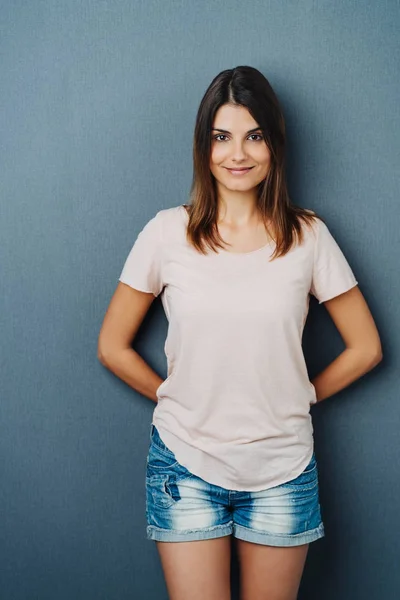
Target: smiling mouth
<point>238,168</point>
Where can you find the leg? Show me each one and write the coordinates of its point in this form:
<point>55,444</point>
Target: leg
<point>198,569</point>
<point>270,572</point>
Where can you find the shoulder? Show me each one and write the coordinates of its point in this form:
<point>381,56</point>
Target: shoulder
<point>312,227</point>
<point>162,221</point>
<point>171,215</point>
<point>172,222</point>
<point>324,240</point>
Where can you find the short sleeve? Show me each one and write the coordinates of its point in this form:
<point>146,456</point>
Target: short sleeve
<point>143,267</point>
<point>332,274</point>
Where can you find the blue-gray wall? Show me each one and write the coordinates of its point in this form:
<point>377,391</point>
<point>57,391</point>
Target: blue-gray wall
<point>98,101</point>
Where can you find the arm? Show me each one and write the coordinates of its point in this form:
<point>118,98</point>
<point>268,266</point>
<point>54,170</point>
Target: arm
<point>353,319</point>
<point>124,315</point>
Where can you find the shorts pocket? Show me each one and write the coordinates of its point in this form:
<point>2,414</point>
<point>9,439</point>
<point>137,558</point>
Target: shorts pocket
<point>160,460</point>
<point>312,465</point>
<point>307,480</point>
<point>158,492</point>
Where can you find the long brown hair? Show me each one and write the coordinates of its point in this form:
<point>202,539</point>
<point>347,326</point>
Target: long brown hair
<point>244,86</point>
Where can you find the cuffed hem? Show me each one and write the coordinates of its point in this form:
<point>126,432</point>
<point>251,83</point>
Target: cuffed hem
<point>258,537</point>
<point>169,535</point>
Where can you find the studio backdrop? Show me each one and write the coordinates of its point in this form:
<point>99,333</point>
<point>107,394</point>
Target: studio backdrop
<point>98,103</point>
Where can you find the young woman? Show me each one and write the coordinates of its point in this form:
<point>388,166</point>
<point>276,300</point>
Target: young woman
<point>231,442</point>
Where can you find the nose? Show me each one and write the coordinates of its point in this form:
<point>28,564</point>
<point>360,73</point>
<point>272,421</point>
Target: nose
<point>238,153</point>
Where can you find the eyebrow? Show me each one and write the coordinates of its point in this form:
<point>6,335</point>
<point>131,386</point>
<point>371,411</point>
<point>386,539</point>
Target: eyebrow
<point>226,131</point>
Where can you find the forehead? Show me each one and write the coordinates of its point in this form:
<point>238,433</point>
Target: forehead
<point>234,118</point>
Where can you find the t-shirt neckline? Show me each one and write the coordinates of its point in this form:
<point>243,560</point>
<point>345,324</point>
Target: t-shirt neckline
<point>222,252</point>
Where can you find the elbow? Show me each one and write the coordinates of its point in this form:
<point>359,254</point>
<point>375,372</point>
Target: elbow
<point>378,352</point>
<point>109,355</point>
<point>378,356</point>
<point>101,357</point>
<point>368,359</point>
<point>104,349</point>
<point>103,354</point>
<point>375,357</point>
<point>106,359</point>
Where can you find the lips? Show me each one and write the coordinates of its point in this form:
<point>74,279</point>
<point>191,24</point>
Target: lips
<point>239,168</point>
<point>240,171</point>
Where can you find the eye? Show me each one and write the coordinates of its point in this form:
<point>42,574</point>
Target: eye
<point>257,135</point>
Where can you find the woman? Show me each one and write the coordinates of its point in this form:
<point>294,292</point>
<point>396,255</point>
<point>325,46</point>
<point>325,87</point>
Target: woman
<point>231,442</point>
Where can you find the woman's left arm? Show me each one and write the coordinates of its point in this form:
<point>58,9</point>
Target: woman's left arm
<point>354,321</point>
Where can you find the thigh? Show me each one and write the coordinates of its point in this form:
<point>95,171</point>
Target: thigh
<point>197,570</point>
<point>268,572</point>
<point>273,528</point>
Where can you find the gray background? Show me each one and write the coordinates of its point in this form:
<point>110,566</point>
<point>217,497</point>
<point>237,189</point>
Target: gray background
<point>97,113</point>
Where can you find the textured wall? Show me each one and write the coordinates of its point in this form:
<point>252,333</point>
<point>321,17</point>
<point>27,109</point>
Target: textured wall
<point>97,112</point>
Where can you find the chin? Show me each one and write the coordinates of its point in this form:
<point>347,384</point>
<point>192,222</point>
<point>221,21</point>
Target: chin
<point>242,185</point>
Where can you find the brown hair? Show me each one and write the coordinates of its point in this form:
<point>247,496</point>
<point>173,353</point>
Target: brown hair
<point>244,86</point>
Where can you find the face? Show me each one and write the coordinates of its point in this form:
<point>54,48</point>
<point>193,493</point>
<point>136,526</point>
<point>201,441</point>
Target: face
<point>237,142</point>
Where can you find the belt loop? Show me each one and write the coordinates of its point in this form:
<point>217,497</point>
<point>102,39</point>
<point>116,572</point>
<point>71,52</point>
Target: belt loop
<point>151,430</point>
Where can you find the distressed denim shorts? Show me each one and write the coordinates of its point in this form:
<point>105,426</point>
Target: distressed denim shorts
<point>180,506</point>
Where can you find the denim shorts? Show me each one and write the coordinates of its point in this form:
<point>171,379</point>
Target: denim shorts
<point>181,506</point>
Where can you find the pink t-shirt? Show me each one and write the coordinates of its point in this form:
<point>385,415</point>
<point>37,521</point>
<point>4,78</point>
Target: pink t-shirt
<point>235,405</point>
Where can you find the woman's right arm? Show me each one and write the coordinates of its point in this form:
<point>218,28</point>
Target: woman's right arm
<point>123,317</point>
